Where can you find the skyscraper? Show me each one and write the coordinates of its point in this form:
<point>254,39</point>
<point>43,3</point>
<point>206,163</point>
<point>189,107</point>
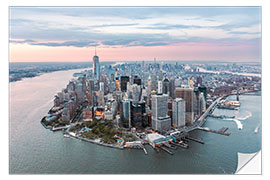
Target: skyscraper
<point>96,66</point>
<point>159,87</point>
<point>125,113</point>
<point>137,110</point>
<point>101,87</point>
<point>166,86</point>
<point>188,95</point>
<point>137,80</point>
<point>160,120</point>
<point>178,110</point>
<point>172,88</point>
<point>123,83</point>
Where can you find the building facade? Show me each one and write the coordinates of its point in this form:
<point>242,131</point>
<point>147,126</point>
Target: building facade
<point>178,111</point>
<point>188,95</point>
<point>160,120</point>
<point>96,67</point>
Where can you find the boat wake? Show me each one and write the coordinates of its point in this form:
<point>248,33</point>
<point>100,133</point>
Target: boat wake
<point>238,122</point>
<point>257,128</point>
<point>238,119</point>
<point>241,118</point>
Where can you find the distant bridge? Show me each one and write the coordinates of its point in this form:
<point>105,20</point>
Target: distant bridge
<point>245,94</point>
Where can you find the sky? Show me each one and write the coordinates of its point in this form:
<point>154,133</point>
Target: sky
<point>70,34</point>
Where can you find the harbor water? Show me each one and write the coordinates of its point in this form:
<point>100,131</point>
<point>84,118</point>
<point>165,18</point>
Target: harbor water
<point>36,150</point>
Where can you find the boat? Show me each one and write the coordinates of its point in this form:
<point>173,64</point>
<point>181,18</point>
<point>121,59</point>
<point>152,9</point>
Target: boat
<point>256,129</point>
<point>233,103</point>
<point>66,135</point>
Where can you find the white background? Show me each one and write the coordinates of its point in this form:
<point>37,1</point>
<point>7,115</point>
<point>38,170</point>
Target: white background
<point>265,75</point>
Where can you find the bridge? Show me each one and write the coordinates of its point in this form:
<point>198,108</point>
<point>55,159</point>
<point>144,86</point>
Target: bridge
<point>209,110</point>
<point>199,123</point>
<point>183,132</point>
<point>245,94</point>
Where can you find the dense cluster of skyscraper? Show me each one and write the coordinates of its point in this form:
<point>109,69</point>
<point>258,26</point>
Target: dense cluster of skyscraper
<point>135,95</point>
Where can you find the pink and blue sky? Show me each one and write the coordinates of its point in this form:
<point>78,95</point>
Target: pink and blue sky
<point>62,34</point>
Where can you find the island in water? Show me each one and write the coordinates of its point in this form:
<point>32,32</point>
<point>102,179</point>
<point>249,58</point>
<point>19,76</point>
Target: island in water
<point>130,105</point>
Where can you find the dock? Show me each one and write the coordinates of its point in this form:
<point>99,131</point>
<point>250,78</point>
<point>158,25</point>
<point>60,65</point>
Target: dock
<point>182,145</point>
<point>221,131</point>
<point>145,152</point>
<point>195,140</point>
<point>166,150</point>
<point>221,116</point>
<point>170,146</point>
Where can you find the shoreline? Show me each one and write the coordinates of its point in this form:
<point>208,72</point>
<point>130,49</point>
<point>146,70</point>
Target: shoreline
<point>43,73</point>
<point>95,142</point>
<point>82,138</point>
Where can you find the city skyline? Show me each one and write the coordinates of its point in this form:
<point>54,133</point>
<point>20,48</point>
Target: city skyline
<point>135,33</point>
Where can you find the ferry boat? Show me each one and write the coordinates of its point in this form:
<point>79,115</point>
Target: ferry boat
<point>232,103</point>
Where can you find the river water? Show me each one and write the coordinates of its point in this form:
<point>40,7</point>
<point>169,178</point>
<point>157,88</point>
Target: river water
<point>36,150</point>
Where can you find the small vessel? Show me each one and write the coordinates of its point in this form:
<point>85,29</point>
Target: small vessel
<point>66,136</point>
<point>256,129</point>
<point>233,103</point>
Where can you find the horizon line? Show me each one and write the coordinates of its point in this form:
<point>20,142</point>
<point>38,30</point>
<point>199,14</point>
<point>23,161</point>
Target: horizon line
<point>137,61</point>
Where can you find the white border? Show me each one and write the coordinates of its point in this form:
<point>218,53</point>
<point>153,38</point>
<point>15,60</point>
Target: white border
<point>4,69</point>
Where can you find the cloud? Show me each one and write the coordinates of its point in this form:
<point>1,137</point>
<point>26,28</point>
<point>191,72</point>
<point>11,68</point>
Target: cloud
<point>68,43</point>
<point>132,26</point>
<point>132,43</point>
<point>22,41</point>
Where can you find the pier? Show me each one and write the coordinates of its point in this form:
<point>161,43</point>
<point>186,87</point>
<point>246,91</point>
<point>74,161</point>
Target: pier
<point>170,147</point>
<point>220,116</point>
<point>195,140</point>
<point>221,131</point>
<point>145,152</point>
<point>182,145</point>
<point>166,150</point>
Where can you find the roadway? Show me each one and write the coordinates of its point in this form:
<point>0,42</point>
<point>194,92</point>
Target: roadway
<point>201,120</point>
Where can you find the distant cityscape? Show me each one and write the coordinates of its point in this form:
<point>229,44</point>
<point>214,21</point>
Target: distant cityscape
<point>129,105</point>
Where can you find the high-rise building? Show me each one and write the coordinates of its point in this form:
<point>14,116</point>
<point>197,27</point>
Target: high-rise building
<point>202,103</point>
<point>178,111</point>
<point>159,87</point>
<point>160,120</point>
<point>117,84</point>
<point>79,92</point>
<point>177,82</point>
<point>96,67</point>
<point>125,113</point>
<point>134,91</point>
<point>149,87</point>
<point>199,102</point>
<point>137,114</point>
<point>188,95</point>
<point>196,108</point>
<point>154,83</point>
<point>137,80</point>
<point>172,88</point>
<point>123,83</point>
<point>203,89</point>
<point>101,87</point>
<point>199,81</point>
<point>166,86</point>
